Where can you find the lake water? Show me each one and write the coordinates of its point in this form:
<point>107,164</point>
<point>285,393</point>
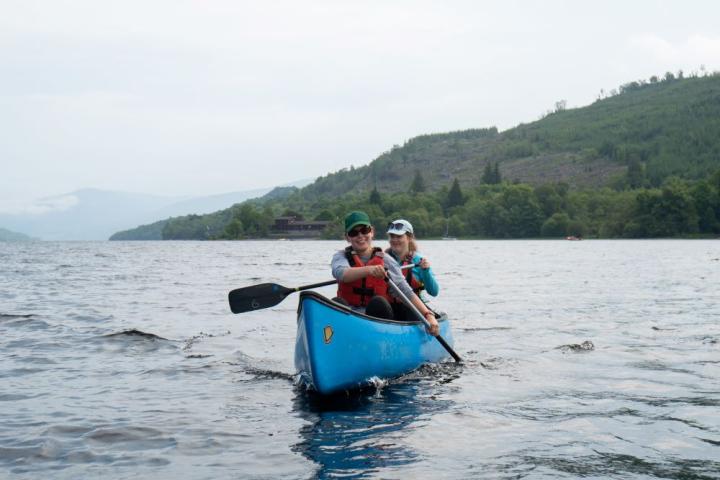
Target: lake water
<point>122,360</point>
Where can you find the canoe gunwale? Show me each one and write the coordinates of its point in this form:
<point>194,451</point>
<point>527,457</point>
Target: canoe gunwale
<point>348,310</point>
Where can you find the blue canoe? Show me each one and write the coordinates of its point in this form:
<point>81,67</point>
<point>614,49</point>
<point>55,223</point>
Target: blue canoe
<point>339,349</point>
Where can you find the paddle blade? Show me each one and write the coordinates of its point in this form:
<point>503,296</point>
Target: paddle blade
<point>257,297</point>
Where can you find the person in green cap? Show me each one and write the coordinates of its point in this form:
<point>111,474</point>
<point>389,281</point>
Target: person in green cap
<point>360,270</point>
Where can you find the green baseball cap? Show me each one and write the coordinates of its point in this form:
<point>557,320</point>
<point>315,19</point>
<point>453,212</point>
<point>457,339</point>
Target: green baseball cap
<point>353,219</point>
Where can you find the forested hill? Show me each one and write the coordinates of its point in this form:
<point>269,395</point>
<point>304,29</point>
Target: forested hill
<point>670,126</point>
<point>642,161</point>
<point>10,236</point>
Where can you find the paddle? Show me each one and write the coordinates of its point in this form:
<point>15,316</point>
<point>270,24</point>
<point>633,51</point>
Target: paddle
<point>419,315</point>
<point>267,295</point>
<point>264,295</point>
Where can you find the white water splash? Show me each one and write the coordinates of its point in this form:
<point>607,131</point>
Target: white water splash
<point>378,383</point>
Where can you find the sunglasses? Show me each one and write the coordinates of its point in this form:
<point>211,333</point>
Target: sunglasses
<point>365,229</point>
<point>396,226</point>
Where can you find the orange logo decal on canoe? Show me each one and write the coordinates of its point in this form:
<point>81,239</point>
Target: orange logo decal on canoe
<point>328,331</point>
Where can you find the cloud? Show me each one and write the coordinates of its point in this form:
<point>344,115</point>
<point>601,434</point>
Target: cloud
<point>690,53</point>
<point>41,206</point>
<point>182,97</point>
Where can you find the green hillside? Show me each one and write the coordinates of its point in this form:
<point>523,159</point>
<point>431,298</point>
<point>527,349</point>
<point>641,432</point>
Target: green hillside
<point>151,231</point>
<point>669,127</point>
<point>640,162</point>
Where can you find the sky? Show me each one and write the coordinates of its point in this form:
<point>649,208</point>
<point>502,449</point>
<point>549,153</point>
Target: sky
<point>177,97</point>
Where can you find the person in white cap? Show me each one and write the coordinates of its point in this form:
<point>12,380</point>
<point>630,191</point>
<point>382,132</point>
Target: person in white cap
<point>403,248</point>
<point>361,271</point>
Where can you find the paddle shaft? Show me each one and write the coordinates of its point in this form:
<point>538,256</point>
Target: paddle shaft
<point>314,285</point>
<point>412,307</point>
<point>265,295</point>
<point>330,282</point>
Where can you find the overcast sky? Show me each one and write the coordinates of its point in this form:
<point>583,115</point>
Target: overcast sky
<point>202,97</point>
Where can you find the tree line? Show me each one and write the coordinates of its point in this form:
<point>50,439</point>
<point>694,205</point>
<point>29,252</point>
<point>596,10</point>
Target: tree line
<point>678,208</point>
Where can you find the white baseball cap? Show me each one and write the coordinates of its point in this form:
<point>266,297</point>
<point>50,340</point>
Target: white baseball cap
<point>399,227</point>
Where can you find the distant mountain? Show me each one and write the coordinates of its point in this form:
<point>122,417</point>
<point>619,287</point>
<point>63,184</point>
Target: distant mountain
<point>211,203</point>
<point>92,214</point>
<point>160,231</point>
<point>88,214</point>
<point>10,236</point>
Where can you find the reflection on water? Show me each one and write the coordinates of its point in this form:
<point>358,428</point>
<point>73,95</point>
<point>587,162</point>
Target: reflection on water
<point>357,434</point>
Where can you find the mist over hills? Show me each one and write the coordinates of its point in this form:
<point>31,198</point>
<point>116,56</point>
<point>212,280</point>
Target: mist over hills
<point>92,214</point>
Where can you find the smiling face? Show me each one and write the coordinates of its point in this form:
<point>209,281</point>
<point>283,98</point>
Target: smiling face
<point>399,244</point>
<point>361,242</point>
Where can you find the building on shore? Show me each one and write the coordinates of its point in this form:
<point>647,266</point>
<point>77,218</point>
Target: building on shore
<point>291,227</point>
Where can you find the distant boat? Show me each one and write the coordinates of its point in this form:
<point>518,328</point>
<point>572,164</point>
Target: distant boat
<point>573,237</point>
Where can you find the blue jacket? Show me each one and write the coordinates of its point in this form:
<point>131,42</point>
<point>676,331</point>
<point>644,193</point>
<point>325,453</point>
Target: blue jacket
<point>422,275</point>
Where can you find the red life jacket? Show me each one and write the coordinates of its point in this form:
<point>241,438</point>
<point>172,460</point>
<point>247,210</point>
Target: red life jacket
<point>416,284</point>
<point>359,292</point>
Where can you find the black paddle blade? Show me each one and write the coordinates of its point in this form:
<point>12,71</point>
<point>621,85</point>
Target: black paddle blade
<point>257,297</point>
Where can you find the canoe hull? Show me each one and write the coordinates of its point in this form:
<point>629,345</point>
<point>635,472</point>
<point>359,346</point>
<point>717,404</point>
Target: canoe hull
<point>338,349</point>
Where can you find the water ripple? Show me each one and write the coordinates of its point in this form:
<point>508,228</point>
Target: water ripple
<point>581,359</point>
